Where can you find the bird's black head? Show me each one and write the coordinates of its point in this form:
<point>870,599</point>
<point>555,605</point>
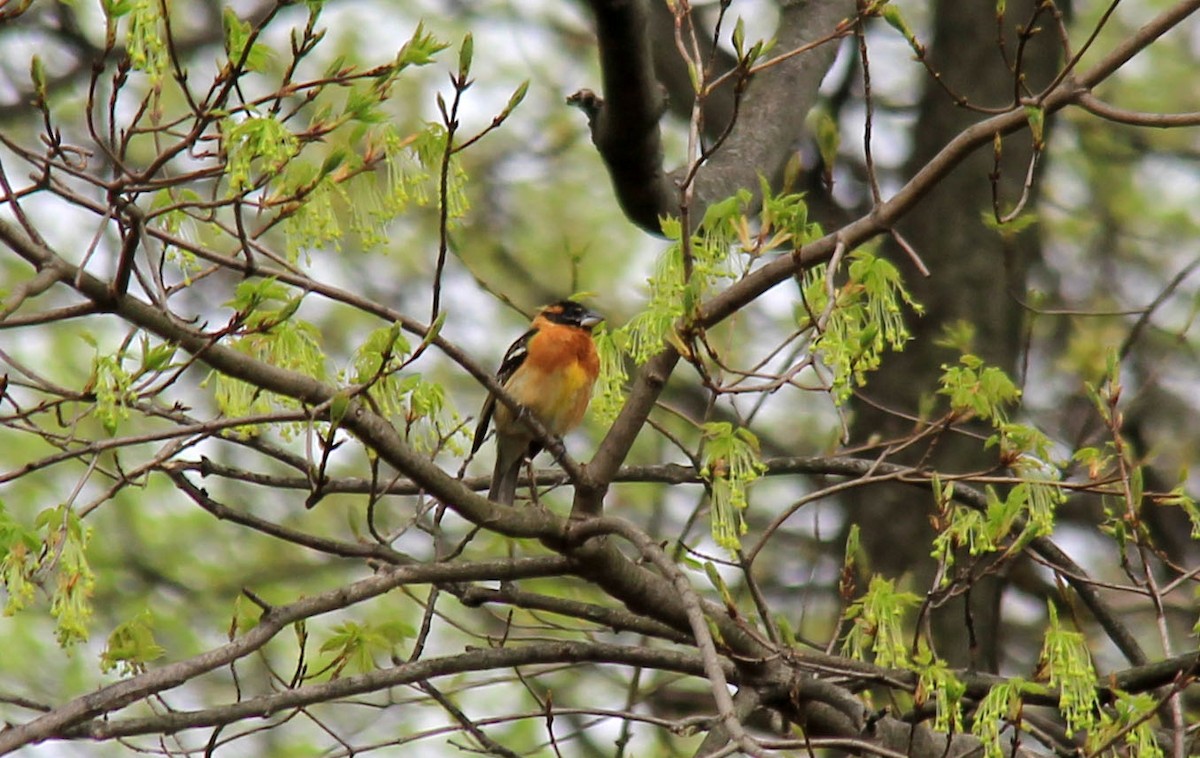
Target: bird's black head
<point>571,313</point>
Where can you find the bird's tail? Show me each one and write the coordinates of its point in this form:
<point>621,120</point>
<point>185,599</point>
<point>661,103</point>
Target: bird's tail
<point>504,479</point>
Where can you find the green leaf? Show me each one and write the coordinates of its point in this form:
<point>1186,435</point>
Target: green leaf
<point>117,8</point>
<point>1136,488</point>
<point>978,390</point>
<point>609,394</point>
<point>337,408</point>
<point>714,578</point>
<point>1179,498</point>
<point>465,53</point>
<point>1128,720</point>
<point>876,631</point>
<point>146,42</point>
<point>420,49</point>
<point>37,73</point>
<point>1068,665</point>
<point>1001,704</point>
<point>157,357</point>
<point>260,140</point>
<point>131,646</point>
<point>935,681</point>
<point>518,96</point>
<point>731,465</point>
<point>246,616</point>
<point>895,19</point>
<point>354,646</point>
<point>1036,116</point>
<point>865,318</point>
<point>829,138</point>
<point>434,330</point>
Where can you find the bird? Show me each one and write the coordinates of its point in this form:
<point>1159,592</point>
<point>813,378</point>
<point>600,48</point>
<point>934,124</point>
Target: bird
<point>549,370</point>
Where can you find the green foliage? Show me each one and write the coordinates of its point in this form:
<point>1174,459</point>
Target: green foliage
<point>237,36</point>
<point>1001,704</point>
<point>936,681</point>
<point>1127,720</point>
<point>673,292</point>
<point>1096,460</point>
<point>746,58</point>
<point>646,332</point>
<point>854,561</point>
<point>465,54</point>
<point>783,223</point>
<point>958,335</point>
<point>876,624</point>
<point>353,646</point>
<point>718,583</point>
<point>986,392</point>
<point>829,138</point>
<point>960,526</point>
<point>686,273</point>
<point>37,75</point>
<point>377,360</point>
<point>863,319</point>
<point>19,546</point>
<point>257,138</point>
<point>976,389</point>
<point>313,223</point>
<point>112,386</point>
<point>1036,116</point>
<point>420,405</point>
<point>65,546</point>
<point>131,646</point>
<point>292,345</point>
<point>146,43</point>
<point>1068,666</point>
<point>157,358</point>
<point>246,616</point>
<point>1179,498</point>
<point>412,165</point>
<point>54,549</point>
<point>270,334</point>
<point>1030,502</point>
<point>419,50</point>
<point>1009,229</point>
<point>892,15</point>
<point>731,464</point>
<point>114,9</point>
<point>1036,498</point>
<point>609,395</point>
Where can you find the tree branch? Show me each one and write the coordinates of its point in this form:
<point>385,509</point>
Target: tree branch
<point>62,719</point>
<point>624,123</point>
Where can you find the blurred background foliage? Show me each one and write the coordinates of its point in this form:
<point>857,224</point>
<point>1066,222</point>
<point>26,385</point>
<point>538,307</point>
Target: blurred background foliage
<point>1115,235</point>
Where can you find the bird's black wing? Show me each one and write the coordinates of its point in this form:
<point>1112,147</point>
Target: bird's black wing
<point>513,359</point>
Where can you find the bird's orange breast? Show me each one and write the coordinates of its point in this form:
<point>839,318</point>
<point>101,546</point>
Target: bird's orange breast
<point>555,382</point>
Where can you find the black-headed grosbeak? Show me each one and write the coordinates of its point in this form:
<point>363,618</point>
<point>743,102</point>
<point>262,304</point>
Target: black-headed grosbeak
<point>550,371</point>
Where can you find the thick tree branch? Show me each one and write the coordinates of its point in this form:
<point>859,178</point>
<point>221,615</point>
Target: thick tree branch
<point>624,123</point>
<point>770,120</point>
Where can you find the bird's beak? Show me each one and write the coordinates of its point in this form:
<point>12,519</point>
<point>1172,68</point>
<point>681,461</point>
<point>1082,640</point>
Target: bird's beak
<point>590,319</point>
